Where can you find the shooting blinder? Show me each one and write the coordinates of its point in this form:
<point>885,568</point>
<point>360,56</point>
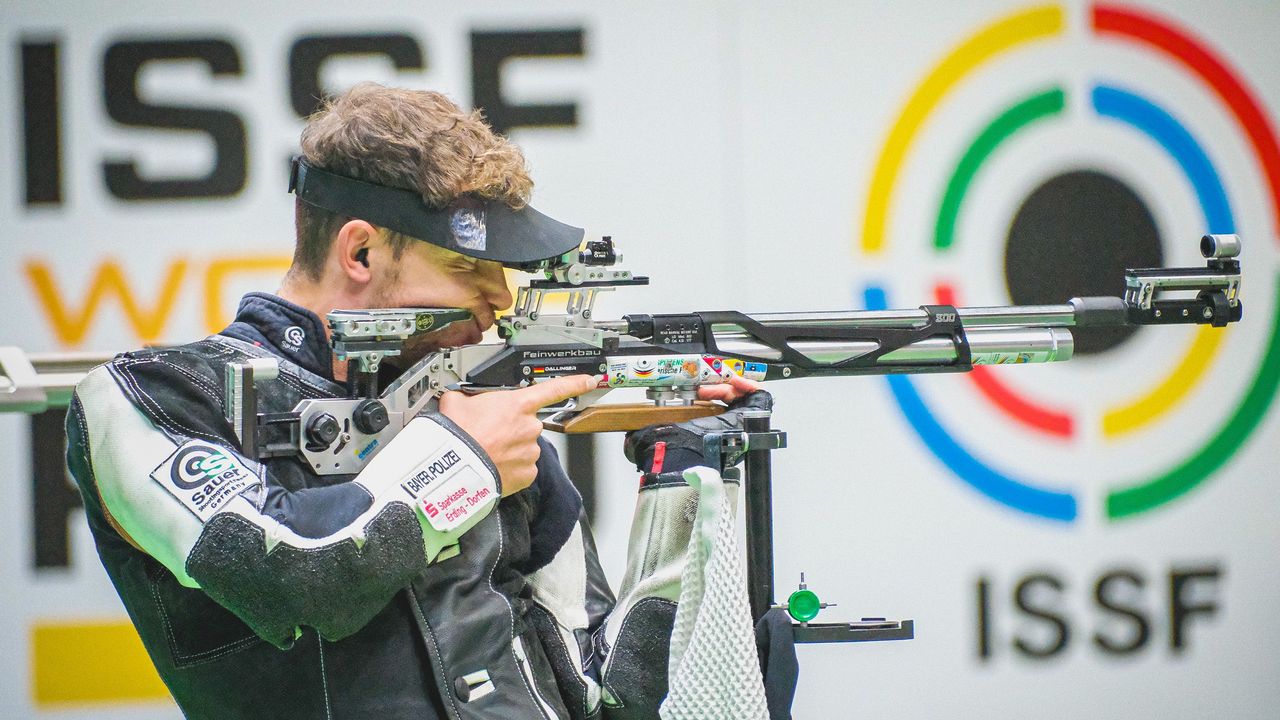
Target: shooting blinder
<point>470,225</point>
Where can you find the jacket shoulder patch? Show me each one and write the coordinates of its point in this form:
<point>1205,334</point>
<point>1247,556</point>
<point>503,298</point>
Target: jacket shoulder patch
<point>204,477</point>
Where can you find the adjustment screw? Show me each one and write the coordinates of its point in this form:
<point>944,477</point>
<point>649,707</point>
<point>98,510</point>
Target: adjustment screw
<point>586,314</point>
<point>1158,313</point>
<point>370,417</point>
<point>786,372</point>
<point>604,368</point>
<point>526,370</point>
<point>323,429</point>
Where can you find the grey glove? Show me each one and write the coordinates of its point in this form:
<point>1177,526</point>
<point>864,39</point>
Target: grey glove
<point>681,445</point>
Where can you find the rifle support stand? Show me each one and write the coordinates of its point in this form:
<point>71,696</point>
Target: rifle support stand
<point>753,444</point>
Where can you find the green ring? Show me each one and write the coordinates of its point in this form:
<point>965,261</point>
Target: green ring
<point>1036,107</point>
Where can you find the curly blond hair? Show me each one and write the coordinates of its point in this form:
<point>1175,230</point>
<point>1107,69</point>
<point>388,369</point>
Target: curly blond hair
<point>411,139</point>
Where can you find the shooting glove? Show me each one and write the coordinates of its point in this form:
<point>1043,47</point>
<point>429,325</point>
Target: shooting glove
<point>671,449</point>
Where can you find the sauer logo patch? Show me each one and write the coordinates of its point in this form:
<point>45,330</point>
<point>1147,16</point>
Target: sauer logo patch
<point>203,477</point>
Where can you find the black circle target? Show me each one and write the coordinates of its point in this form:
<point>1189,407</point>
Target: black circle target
<point>1074,236</point>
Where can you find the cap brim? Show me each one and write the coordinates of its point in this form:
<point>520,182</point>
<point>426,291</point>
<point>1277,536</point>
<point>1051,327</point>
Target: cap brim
<point>472,226</point>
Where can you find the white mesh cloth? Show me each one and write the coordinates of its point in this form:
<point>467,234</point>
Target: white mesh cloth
<point>714,673</point>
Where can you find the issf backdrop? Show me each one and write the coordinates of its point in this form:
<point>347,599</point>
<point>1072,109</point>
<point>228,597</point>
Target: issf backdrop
<point>1090,539</point>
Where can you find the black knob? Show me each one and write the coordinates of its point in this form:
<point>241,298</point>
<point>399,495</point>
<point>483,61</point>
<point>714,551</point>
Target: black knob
<point>370,416</point>
<point>322,430</point>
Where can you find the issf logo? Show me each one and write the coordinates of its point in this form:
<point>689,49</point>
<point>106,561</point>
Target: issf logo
<point>1063,147</point>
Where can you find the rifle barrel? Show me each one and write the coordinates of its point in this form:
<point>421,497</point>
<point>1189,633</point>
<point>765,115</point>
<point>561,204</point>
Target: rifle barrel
<point>1063,315</point>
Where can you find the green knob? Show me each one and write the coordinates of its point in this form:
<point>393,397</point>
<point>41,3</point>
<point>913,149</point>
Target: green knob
<point>803,605</point>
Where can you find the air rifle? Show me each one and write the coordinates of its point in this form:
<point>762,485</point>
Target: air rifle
<point>671,356</point>
<point>667,355</point>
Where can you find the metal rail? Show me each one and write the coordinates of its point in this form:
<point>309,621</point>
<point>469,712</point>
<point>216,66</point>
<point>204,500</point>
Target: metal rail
<point>35,382</point>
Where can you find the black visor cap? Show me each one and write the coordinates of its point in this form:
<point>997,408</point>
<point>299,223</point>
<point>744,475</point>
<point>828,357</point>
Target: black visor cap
<point>473,226</point>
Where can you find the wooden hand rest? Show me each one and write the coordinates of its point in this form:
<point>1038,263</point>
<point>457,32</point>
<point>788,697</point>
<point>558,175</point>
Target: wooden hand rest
<point>629,416</point>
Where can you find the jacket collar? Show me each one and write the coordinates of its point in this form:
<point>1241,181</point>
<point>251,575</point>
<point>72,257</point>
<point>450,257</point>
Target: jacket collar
<point>288,330</point>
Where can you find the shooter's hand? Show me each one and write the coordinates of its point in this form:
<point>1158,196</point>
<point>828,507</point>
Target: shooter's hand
<point>506,424</point>
<point>681,445</point>
<point>737,387</point>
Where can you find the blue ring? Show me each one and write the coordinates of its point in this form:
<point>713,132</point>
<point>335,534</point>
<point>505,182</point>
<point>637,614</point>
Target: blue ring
<point>1174,137</point>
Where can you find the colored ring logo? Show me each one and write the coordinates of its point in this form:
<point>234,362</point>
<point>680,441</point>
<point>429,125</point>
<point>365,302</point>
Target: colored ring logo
<point>197,464</point>
<point>1111,103</point>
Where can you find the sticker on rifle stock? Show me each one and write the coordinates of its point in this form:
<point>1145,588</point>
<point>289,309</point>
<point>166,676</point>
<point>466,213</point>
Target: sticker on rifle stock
<point>748,370</point>
<point>447,491</point>
<point>682,371</point>
<point>203,477</point>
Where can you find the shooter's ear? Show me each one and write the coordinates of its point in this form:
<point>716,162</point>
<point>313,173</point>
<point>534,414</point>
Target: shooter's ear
<point>351,247</point>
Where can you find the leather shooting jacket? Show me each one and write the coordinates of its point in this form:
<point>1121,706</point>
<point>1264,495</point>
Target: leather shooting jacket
<point>261,589</point>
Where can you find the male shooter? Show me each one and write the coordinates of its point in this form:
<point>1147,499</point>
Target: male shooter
<point>264,590</point>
